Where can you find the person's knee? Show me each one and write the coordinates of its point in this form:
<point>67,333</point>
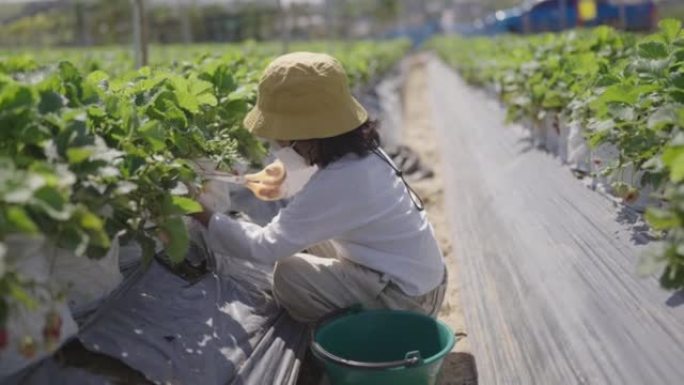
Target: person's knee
<point>288,273</point>
<point>289,280</point>
<point>294,291</point>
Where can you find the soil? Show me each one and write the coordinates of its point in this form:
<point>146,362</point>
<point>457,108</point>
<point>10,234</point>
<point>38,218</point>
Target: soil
<point>419,134</point>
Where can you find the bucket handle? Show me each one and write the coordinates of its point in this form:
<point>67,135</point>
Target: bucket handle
<point>411,358</point>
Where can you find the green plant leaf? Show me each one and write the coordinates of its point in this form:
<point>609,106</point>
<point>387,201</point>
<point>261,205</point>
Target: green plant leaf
<point>74,238</point>
<point>661,219</point>
<point>78,154</point>
<point>677,95</point>
<point>653,50</point>
<point>97,77</point>
<point>672,277</point>
<point>623,93</point>
<point>91,221</point>
<point>178,205</point>
<point>670,29</point>
<point>662,117</point>
<point>207,99</point>
<point>673,158</point>
<point>15,96</point>
<point>677,80</point>
<point>165,109</point>
<point>187,205</point>
<point>52,202</point>
<point>678,55</point>
<point>177,236</point>
<point>50,101</point>
<point>154,134</point>
<point>677,169</point>
<point>17,292</point>
<point>20,220</point>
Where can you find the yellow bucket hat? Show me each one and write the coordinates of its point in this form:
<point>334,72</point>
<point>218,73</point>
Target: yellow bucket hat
<point>304,95</point>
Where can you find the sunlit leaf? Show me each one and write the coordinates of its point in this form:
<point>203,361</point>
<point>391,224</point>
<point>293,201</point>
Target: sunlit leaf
<point>178,205</point>
<point>670,28</point>
<point>78,154</point>
<point>661,219</point>
<point>20,220</point>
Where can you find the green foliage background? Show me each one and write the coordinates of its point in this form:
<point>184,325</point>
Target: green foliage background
<point>625,90</point>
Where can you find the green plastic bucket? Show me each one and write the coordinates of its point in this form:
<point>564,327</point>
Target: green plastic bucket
<point>382,347</point>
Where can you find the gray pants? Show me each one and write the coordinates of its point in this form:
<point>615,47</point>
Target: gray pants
<point>311,285</point>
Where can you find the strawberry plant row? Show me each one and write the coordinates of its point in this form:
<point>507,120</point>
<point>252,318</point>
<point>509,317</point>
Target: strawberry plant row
<point>94,153</point>
<point>362,59</point>
<point>622,93</point>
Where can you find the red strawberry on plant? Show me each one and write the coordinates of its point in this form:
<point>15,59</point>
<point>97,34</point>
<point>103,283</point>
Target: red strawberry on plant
<point>52,329</point>
<point>3,338</point>
<point>631,196</point>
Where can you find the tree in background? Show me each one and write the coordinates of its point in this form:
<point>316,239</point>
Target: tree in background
<point>71,23</point>
<point>386,11</point>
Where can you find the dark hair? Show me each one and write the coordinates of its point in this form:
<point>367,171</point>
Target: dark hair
<point>360,141</point>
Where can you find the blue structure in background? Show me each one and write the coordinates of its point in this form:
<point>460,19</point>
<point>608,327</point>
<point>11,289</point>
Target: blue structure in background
<point>418,34</point>
<point>547,16</point>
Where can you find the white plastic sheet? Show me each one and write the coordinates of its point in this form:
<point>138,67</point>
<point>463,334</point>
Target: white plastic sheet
<point>86,280</point>
<point>31,257</point>
<point>578,150</point>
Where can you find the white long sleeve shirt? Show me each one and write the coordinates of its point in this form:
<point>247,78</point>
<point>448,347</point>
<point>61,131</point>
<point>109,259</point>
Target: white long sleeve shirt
<point>359,204</point>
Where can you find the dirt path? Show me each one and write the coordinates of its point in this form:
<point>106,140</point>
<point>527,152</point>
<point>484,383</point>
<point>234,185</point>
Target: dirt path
<point>419,135</point>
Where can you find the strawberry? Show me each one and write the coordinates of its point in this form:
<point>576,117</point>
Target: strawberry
<point>53,326</point>
<point>3,338</point>
<point>52,330</point>
<point>164,237</point>
<point>631,196</point>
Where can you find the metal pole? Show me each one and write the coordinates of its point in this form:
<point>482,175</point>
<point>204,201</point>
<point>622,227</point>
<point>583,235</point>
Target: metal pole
<point>139,33</point>
<point>81,34</point>
<point>563,13</point>
<point>623,14</point>
<point>284,27</point>
<point>184,12</point>
<point>331,33</point>
<point>144,47</point>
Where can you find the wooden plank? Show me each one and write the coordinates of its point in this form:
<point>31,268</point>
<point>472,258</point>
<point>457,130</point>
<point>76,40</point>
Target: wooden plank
<point>547,268</point>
